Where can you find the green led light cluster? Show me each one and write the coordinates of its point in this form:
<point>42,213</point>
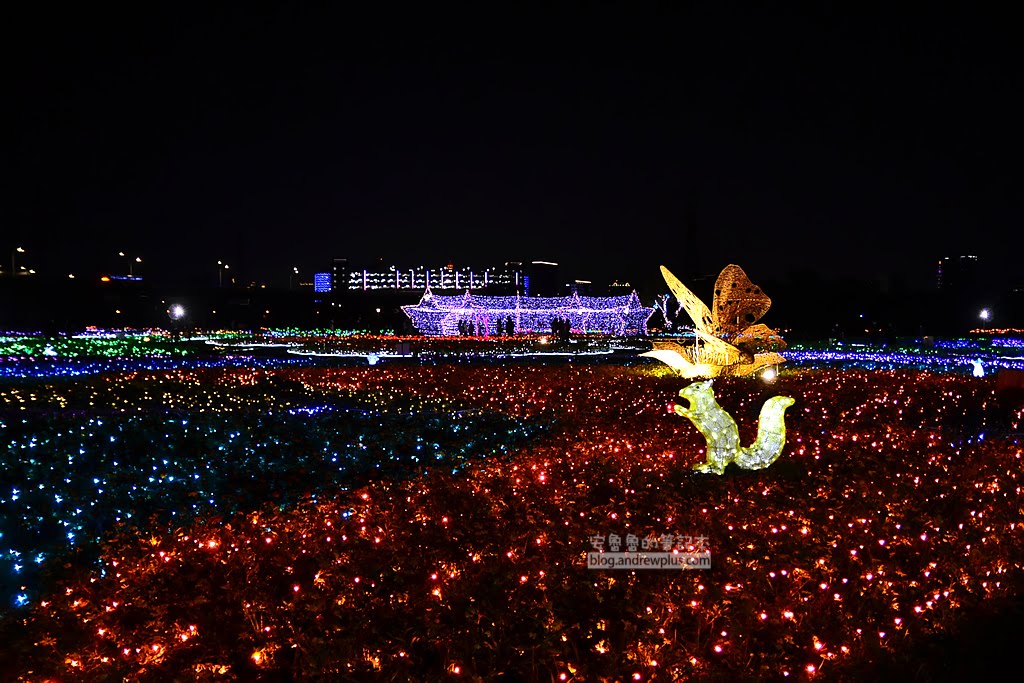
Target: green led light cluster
<point>91,347</point>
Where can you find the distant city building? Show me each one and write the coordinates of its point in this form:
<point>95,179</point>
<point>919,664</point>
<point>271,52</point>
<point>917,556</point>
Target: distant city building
<point>486,315</point>
<point>321,282</point>
<point>532,279</point>
<point>582,287</point>
<point>339,274</point>
<point>958,273</point>
<point>508,278</point>
<point>543,279</point>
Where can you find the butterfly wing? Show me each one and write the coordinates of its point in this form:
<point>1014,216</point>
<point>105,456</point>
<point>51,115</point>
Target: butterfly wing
<point>695,308</point>
<point>684,351</point>
<point>683,366</point>
<point>738,302</point>
<point>714,351</point>
<point>674,360</point>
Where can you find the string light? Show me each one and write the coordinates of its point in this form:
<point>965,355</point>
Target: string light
<point>442,315</point>
<point>951,356</point>
<point>814,559</point>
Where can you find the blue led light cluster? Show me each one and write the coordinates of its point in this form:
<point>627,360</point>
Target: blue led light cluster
<point>31,368</point>
<point>442,315</point>
<point>73,476</point>
<point>883,359</point>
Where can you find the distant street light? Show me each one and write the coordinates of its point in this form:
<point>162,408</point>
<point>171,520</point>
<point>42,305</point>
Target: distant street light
<point>176,312</point>
<point>17,250</point>
<point>220,272</point>
<point>985,314</point>
<point>291,275</point>
<point>131,264</point>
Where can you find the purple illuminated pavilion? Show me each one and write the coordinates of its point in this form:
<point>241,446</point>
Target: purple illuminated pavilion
<point>615,315</point>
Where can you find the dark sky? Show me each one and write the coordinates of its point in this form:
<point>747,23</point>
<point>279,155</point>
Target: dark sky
<point>862,145</point>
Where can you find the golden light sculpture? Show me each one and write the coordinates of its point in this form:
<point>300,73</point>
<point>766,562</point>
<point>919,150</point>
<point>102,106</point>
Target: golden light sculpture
<point>728,340</point>
<point>722,434</point>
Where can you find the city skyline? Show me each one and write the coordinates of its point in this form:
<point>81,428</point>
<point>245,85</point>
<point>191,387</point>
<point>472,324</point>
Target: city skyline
<point>472,274</point>
<point>837,146</point>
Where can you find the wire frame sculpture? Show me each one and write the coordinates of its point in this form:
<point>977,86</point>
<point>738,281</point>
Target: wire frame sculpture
<point>728,339</point>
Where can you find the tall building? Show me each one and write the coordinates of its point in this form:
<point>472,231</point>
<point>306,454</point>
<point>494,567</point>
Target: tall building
<point>339,273</point>
<point>508,278</point>
<point>516,283</point>
<point>958,274</point>
<point>543,279</point>
<point>322,282</point>
<point>580,287</point>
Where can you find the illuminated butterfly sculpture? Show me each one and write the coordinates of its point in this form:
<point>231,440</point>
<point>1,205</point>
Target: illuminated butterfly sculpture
<point>728,340</point>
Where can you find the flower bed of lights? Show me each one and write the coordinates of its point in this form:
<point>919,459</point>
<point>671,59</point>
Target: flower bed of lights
<point>462,347</point>
<point>941,355</point>
<point>361,345</point>
<point>892,513</point>
<point>999,332</point>
<point>93,332</point>
<point>90,347</point>
<point>36,369</point>
<point>147,461</point>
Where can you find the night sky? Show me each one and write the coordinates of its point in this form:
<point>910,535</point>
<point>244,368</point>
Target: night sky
<point>847,146</point>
